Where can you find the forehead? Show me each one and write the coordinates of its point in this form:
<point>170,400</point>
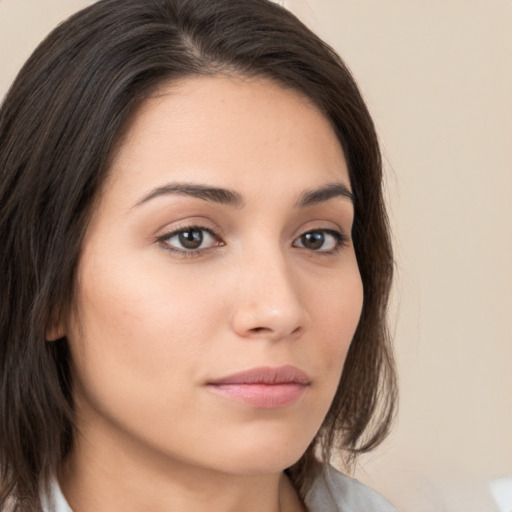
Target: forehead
<point>223,131</point>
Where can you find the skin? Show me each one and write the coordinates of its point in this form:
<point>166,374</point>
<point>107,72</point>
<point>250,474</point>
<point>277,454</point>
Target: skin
<point>153,322</point>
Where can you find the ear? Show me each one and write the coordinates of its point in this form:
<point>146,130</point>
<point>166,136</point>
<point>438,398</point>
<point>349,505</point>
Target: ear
<point>55,329</point>
<point>55,333</point>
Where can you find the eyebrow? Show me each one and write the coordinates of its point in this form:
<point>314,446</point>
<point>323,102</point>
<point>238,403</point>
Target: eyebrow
<point>320,195</point>
<point>207,193</point>
<point>233,198</point>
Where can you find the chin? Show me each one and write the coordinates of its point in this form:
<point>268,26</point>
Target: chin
<point>266,465</point>
<point>271,455</point>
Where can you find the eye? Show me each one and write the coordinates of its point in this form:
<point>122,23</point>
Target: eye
<point>321,240</point>
<point>190,239</point>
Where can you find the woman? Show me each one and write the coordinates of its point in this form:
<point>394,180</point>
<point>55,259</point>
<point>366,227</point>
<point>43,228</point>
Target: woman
<point>195,266</point>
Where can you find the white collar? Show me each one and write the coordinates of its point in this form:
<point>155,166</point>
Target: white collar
<point>56,501</point>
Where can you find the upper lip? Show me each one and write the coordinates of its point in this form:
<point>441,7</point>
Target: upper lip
<point>266,375</point>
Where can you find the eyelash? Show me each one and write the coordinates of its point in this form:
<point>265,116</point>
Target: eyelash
<point>340,239</point>
<point>164,240</point>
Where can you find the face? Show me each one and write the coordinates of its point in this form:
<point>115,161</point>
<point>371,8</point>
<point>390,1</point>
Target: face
<point>218,289</point>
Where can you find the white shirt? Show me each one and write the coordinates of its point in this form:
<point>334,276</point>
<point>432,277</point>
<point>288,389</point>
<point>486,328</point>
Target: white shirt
<point>334,492</point>
<point>331,492</point>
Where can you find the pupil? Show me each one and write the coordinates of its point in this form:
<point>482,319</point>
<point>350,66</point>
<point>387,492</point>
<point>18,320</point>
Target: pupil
<point>313,240</point>
<point>191,239</point>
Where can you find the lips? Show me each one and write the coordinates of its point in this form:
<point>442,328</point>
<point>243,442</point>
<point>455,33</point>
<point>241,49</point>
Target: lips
<point>265,387</point>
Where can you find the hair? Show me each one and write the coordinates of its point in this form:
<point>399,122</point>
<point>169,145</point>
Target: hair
<point>59,126</point>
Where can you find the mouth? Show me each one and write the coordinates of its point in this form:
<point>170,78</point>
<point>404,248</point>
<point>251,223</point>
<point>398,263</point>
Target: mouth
<point>264,387</point>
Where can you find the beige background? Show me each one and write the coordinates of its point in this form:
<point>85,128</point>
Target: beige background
<point>438,78</point>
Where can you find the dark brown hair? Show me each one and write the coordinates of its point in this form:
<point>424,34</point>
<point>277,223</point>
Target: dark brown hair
<point>59,125</point>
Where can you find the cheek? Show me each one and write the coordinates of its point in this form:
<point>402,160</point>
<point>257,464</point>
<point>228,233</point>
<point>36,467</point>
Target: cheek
<point>336,312</point>
<point>136,331</point>
<point>336,305</point>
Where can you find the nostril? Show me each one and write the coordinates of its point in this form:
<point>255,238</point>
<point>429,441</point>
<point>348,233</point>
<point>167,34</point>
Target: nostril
<point>258,329</point>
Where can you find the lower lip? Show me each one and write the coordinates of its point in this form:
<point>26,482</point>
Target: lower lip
<point>262,396</point>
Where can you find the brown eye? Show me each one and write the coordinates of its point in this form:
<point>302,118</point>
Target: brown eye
<point>313,240</point>
<point>191,238</point>
<point>188,240</point>
<point>321,240</point>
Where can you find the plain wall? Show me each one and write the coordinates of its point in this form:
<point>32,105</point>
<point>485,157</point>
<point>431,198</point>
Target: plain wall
<point>437,76</point>
<point>438,79</point>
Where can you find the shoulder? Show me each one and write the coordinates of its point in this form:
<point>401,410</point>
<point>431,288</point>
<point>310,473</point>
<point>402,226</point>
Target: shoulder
<point>334,492</point>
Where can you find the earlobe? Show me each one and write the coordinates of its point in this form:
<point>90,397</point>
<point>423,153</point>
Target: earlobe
<point>54,334</point>
<point>55,330</point>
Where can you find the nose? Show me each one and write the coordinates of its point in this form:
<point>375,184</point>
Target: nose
<point>268,303</point>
